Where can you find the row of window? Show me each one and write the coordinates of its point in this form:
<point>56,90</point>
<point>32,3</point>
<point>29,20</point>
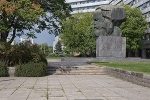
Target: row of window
<point>131,3</point>
<point>85,2</point>
<point>84,8</point>
<point>143,6</point>
<point>136,1</point>
<point>146,15</point>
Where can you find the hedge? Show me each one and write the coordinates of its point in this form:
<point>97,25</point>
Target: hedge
<point>3,70</point>
<point>31,69</point>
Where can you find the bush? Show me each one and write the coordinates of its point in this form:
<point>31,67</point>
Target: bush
<point>3,70</point>
<point>20,53</point>
<point>31,69</point>
<point>4,51</point>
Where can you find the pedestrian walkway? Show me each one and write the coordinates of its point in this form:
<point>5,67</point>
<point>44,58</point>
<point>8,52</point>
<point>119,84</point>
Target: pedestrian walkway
<point>71,87</point>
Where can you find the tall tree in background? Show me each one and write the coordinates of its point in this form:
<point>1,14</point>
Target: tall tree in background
<point>33,15</point>
<point>46,49</point>
<point>58,47</point>
<point>78,33</point>
<point>133,28</point>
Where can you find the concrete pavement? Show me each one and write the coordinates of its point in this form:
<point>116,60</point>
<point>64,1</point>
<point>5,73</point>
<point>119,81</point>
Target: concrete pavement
<point>71,87</point>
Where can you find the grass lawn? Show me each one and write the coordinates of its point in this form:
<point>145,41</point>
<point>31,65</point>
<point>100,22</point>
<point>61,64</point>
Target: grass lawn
<point>142,67</point>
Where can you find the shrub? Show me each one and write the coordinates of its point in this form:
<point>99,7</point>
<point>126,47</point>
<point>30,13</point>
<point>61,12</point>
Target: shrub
<point>3,70</point>
<point>37,54</point>
<point>31,69</point>
<point>52,55</point>
<point>4,51</point>
<point>20,53</point>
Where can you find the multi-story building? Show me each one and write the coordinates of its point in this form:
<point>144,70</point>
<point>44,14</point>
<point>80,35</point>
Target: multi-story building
<point>55,41</point>
<point>85,5</point>
<point>22,40</point>
<point>81,6</point>
<point>144,6</point>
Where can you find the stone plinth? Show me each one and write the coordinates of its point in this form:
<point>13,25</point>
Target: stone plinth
<point>110,47</point>
<point>11,71</point>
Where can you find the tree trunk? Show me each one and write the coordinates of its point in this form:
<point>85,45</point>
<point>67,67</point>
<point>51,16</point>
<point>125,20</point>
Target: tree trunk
<point>13,36</point>
<point>4,37</point>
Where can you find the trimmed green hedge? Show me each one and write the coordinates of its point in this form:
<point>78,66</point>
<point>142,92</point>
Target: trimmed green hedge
<point>3,70</point>
<point>31,69</point>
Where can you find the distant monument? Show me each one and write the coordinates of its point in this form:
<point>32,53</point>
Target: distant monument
<point>107,21</point>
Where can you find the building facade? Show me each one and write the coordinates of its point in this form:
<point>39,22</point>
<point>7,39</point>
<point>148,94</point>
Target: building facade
<point>144,6</point>
<point>55,41</point>
<point>23,40</point>
<point>85,5</point>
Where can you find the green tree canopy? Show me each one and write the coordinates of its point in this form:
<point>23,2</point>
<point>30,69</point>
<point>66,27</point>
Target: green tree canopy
<point>46,49</point>
<point>133,28</point>
<point>33,15</point>
<point>58,47</point>
<point>78,33</point>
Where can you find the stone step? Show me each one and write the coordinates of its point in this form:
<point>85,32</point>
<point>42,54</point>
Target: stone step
<point>82,70</point>
<point>79,71</point>
<point>76,73</point>
<point>84,67</point>
<point>52,69</point>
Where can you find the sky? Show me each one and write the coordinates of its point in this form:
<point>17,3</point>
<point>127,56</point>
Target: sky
<point>43,37</point>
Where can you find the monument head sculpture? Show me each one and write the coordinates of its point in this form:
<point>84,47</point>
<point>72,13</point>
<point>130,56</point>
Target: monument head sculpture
<point>107,20</point>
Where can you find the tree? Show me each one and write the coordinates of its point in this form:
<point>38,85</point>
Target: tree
<point>50,49</point>
<point>78,33</point>
<point>133,28</point>
<point>46,49</point>
<point>33,15</point>
<point>58,47</point>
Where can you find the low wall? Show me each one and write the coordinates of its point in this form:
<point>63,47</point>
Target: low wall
<point>137,78</point>
<point>11,71</point>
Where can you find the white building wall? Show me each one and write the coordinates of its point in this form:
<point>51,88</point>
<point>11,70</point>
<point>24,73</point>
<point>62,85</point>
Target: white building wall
<point>85,5</point>
<point>24,40</point>
<point>56,39</point>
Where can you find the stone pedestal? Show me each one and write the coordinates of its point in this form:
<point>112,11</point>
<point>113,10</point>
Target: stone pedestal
<point>11,71</point>
<point>110,47</point>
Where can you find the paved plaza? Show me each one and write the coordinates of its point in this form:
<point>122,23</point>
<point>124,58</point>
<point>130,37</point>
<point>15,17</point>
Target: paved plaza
<point>71,87</point>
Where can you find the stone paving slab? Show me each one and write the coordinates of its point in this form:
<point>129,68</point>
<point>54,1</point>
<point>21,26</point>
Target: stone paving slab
<point>71,87</point>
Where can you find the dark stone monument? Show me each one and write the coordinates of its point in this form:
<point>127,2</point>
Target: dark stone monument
<point>107,21</point>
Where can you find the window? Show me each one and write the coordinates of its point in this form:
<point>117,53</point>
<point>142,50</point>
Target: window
<point>148,14</point>
<point>143,6</point>
<point>148,4</point>
<point>131,3</point>
<point>136,1</point>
